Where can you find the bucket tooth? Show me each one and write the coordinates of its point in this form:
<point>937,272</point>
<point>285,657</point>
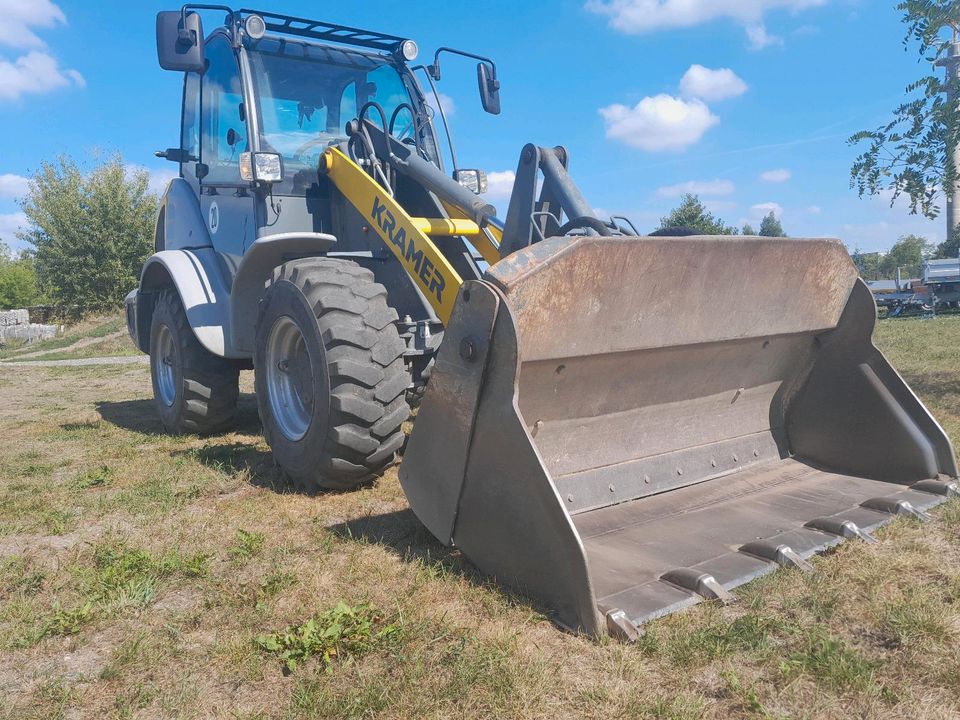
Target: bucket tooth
<point>841,528</point>
<point>946,488</point>
<point>781,554</point>
<point>621,627</point>
<point>892,506</point>
<point>704,584</point>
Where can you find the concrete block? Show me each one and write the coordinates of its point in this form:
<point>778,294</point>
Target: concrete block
<point>14,317</point>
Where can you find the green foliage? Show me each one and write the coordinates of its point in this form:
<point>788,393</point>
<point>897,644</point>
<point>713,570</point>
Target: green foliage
<point>949,248</point>
<point>693,214</point>
<point>248,544</point>
<point>18,280</point>
<point>748,230</point>
<point>68,622</point>
<point>96,477</point>
<point>345,632</point>
<point>831,662</point>
<point>771,227</point>
<point>868,264</point>
<point>91,231</point>
<point>912,154</point>
<point>908,254</point>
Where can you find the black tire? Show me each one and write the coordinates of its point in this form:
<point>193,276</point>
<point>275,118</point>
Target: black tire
<point>350,358</point>
<point>205,387</point>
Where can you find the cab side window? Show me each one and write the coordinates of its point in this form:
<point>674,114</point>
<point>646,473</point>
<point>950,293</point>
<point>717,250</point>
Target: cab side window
<point>190,130</point>
<point>224,122</point>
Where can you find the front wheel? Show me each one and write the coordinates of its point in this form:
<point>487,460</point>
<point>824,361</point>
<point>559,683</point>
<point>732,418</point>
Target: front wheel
<point>330,377</point>
<point>195,390</point>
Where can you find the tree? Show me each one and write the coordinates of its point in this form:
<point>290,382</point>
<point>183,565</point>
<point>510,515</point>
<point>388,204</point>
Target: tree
<point>912,155</point>
<point>771,227</point>
<point>908,254</point>
<point>692,213</point>
<point>91,232</point>
<point>18,280</point>
<point>868,264</point>
<point>748,230</point>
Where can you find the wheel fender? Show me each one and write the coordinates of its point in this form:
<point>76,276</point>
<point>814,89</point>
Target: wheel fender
<point>180,223</point>
<point>197,277</point>
<point>256,268</point>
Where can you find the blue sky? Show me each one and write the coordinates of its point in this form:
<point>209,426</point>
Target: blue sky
<point>748,102</point>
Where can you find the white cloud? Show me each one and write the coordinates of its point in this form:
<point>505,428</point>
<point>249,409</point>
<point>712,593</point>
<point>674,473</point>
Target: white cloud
<point>659,123</point>
<point>21,15</point>
<point>499,185</point>
<point>776,176</point>
<point>759,37</point>
<point>706,84</point>
<point>13,186</point>
<point>814,210</point>
<point>640,16</point>
<point>446,102</point>
<point>761,210</point>
<point>698,187</point>
<point>9,225</point>
<point>35,72</point>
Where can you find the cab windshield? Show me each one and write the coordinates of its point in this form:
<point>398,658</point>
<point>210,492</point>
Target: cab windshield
<point>308,93</point>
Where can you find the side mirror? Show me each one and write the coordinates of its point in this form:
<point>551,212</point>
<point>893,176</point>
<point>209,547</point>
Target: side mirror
<point>473,180</point>
<point>489,89</point>
<point>180,41</point>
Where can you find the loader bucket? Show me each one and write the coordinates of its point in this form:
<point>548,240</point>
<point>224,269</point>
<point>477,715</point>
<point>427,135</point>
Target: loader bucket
<point>620,427</point>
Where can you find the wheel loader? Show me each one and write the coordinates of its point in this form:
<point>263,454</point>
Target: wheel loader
<point>616,426</point>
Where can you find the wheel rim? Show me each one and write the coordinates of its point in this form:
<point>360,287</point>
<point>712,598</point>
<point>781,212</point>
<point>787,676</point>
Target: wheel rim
<point>166,377</point>
<point>289,379</point>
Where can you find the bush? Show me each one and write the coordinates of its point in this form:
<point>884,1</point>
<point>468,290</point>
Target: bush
<point>18,280</point>
<point>91,231</point>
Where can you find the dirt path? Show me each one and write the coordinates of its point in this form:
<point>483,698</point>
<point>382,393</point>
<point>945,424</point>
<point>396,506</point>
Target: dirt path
<point>82,343</point>
<point>116,360</point>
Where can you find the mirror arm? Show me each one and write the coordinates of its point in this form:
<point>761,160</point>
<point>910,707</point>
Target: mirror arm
<point>434,69</point>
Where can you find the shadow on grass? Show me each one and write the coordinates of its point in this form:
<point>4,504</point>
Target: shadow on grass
<point>401,532</point>
<point>141,415</point>
<point>136,415</point>
<point>935,385</point>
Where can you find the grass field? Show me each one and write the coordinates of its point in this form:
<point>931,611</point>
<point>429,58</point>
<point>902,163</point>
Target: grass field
<point>148,576</point>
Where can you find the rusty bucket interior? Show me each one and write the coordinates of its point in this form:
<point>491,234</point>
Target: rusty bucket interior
<point>620,427</point>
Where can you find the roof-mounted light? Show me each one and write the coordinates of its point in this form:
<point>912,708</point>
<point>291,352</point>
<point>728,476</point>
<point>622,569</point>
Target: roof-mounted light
<point>409,50</point>
<point>255,27</point>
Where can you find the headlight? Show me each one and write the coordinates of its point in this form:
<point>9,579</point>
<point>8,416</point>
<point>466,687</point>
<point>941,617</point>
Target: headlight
<point>267,167</point>
<point>474,180</point>
<point>263,167</point>
<point>409,50</point>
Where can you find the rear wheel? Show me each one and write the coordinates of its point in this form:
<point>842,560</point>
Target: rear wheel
<point>195,390</point>
<point>330,377</point>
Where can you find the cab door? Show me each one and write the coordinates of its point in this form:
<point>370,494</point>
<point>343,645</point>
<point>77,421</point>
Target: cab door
<point>226,201</point>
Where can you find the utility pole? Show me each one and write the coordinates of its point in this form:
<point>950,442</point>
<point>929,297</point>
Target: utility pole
<point>951,65</point>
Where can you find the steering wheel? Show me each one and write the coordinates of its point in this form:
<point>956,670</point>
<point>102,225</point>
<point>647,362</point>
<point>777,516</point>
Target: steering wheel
<point>409,129</point>
<point>310,144</point>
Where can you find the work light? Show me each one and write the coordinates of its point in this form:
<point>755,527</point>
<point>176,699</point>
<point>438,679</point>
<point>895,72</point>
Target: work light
<point>409,50</point>
<point>255,26</point>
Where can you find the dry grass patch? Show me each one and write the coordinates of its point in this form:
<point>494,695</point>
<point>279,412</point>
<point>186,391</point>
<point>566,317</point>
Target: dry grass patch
<point>143,575</point>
